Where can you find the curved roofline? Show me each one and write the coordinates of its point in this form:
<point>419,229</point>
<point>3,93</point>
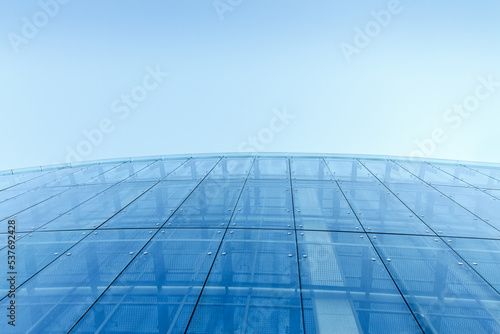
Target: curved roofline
<point>245,154</point>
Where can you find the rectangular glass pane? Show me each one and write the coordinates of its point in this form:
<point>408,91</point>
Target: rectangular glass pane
<point>154,207</point>
<point>232,168</point>
<point>193,169</point>
<point>11,180</point>
<point>51,302</point>
<point>320,205</point>
<point>98,209</point>
<point>389,172</point>
<point>158,291</point>
<point>379,210</point>
<point>253,284</point>
<point>29,199</point>
<point>440,214</point>
<point>210,205</point>
<point>492,173</point>
<point>446,294</point>
<point>36,250</point>
<point>83,175</point>
<point>124,171</point>
<point>48,178</point>
<point>346,287</point>
<point>484,206</point>
<point>470,176</point>
<point>431,174</point>
<point>483,255</point>
<point>158,170</point>
<point>313,169</point>
<point>270,168</point>
<point>348,170</point>
<point>264,204</point>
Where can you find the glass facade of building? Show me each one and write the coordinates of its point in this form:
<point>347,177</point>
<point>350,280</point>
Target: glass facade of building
<point>251,244</point>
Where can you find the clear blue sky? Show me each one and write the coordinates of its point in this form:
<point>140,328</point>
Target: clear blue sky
<point>343,76</point>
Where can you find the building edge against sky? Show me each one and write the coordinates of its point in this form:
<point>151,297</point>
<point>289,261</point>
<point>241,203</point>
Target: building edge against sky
<point>267,243</point>
<point>248,154</point>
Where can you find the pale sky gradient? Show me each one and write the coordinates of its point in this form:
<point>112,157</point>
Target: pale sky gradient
<point>64,71</point>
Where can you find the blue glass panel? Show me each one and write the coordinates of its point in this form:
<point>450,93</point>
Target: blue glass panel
<point>29,199</point>
<point>158,291</point>
<point>232,168</point>
<point>124,171</point>
<point>253,286</point>
<point>210,205</point>
<point>379,210</point>
<point>445,294</point>
<point>441,214</point>
<point>154,207</point>
<point>53,303</point>
<point>8,194</point>
<point>56,206</point>
<point>388,171</point>
<point>36,250</point>
<point>313,169</point>
<point>483,255</point>
<point>492,172</point>
<point>345,286</point>
<point>82,176</point>
<point>193,169</point>
<point>100,208</point>
<point>158,170</point>
<point>264,204</point>
<point>48,178</point>
<point>481,204</point>
<point>470,176</point>
<point>11,180</point>
<point>270,168</point>
<point>431,174</point>
<point>320,205</point>
<point>348,170</point>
